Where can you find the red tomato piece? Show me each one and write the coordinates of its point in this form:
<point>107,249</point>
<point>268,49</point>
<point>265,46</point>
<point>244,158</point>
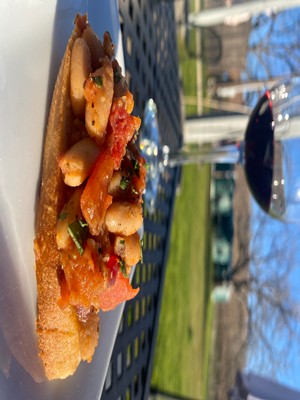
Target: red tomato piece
<point>83,275</point>
<point>117,293</point>
<point>121,129</point>
<point>95,198</point>
<point>113,265</point>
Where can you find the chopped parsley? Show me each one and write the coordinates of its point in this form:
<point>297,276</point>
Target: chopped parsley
<point>117,76</point>
<point>98,80</point>
<point>124,182</point>
<point>78,231</point>
<point>123,268</point>
<point>136,167</point>
<point>62,216</point>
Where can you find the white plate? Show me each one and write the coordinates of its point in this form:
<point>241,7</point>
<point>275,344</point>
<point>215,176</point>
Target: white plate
<point>33,36</point>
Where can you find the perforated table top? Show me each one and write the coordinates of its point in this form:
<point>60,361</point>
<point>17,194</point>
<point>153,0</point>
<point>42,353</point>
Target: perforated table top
<point>150,51</point>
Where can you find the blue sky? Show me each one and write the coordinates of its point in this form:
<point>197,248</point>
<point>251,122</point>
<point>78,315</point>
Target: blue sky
<point>268,57</point>
<point>276,230</point>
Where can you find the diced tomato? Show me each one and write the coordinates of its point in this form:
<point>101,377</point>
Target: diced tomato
<point>113,265</point>
<point>117,293</point>
<point>83,275</point>
<point>90,282</point>
<point>121,128</point>
<point>95,199</point>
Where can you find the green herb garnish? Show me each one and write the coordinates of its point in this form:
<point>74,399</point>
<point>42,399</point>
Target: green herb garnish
<point>124,182</point>
<point>123,268</point>
<point>98,80</point>
<point>62,216</point>
<point>78,231</point>
<point>136,167</point>
<point>117,76</point>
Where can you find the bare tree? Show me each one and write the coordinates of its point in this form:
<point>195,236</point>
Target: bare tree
<point>261,276</point>
<point>273,52</point>
<point>273,47</point>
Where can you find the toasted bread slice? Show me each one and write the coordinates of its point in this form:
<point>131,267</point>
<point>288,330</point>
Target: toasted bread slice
<point>62,339</point>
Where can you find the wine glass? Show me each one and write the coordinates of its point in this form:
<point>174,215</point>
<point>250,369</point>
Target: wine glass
<point>270,152</point>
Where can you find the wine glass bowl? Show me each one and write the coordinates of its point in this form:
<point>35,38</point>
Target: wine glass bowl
<point>272,151</point>
<point>154,153</point>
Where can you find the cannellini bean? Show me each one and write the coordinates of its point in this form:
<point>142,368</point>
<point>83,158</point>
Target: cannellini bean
<point>80,70</point>
<point>123,218</point>
<point>98,92</point>
<point>69,214</point>
<point>77,163</point>
<point>114,184</point>
<point>129,248</point>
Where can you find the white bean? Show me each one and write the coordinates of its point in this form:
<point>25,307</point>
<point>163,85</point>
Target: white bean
<point>69,214</point>
<point>80,70</point>
<point>123,218</point>
<point>114,184</point>
<point>129,248</point>
<point>98,92</point>
<point>76,164</point>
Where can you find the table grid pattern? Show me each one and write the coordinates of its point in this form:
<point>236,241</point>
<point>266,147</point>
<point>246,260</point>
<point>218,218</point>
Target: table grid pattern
<point>150,51</point>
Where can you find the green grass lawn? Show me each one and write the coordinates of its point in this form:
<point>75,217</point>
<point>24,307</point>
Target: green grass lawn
<point>183,349</point>
<point>189,74</point>
<point>183,343</point>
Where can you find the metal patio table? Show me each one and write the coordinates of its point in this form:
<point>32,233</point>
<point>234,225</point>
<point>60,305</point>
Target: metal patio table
<point>151,60</point>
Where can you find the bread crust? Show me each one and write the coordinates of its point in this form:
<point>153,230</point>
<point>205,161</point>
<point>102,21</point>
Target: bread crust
<point>61,335</point>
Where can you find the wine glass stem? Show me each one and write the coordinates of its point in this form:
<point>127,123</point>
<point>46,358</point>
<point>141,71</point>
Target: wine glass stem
<point>223,154</point>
